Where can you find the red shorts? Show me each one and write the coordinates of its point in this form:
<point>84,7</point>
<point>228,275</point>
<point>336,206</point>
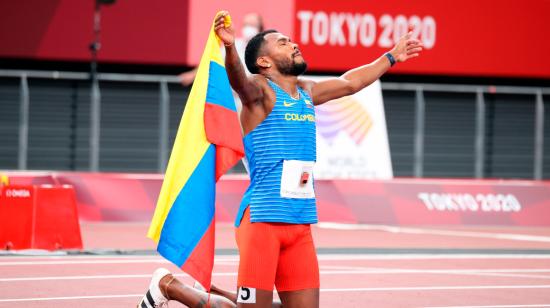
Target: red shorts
<point>277,254</point>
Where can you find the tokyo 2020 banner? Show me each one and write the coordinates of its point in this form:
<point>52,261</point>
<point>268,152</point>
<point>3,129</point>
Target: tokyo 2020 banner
<point>468,37</point>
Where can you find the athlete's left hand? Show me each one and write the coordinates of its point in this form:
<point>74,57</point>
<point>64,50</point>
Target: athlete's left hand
<point>406,48</point>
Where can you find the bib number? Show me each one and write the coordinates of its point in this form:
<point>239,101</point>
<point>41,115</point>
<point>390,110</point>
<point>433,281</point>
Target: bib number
<point>246,295</point>
<point>297,179</point>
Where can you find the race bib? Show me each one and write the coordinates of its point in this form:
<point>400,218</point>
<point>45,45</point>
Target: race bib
<point>297,179</point>
<point>246,295</point>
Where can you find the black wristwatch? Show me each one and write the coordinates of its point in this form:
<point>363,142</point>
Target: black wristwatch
<point>391,58</point>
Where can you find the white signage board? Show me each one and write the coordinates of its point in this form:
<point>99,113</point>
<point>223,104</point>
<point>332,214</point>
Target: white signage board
<point>352,138</point>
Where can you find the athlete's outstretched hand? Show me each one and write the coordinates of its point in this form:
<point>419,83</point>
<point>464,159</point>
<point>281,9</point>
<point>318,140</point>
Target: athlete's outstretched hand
<point>406,48</point>
<point>224,28</point>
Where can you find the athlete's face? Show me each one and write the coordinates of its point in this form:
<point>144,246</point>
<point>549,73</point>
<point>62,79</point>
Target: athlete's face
<point>285,54</point>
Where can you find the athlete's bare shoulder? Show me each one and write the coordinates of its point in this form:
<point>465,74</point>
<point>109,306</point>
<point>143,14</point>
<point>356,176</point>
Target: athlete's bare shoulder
<point>259,80</point>
<point>254,113</point>
<point>267,93</point>
<point>252,91</point>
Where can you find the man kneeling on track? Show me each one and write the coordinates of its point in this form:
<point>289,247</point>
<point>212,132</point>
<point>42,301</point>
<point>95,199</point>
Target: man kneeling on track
<point>278,118</point>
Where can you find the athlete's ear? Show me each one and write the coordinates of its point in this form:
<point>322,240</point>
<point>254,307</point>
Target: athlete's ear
<point>263,62</point>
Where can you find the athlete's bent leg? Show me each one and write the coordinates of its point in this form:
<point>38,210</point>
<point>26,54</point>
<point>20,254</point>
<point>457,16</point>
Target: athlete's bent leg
<point>227,294</point>
<point>165,287</point>
<point>308,298</point>
<point>173,289</point>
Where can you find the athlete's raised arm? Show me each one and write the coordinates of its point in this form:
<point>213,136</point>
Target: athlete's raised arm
<point>358,78</point>
<point>246,87</point>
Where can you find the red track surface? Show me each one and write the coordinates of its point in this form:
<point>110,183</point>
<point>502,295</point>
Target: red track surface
<point>347,280</point>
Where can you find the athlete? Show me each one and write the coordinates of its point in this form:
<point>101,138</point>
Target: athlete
<point>278,119</point>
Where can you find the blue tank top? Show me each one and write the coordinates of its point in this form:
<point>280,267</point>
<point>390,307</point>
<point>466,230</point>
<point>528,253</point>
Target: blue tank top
<point>287,133</point>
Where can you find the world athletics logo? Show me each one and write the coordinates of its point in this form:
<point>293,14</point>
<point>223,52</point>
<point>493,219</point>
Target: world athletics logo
<point>344,114</point>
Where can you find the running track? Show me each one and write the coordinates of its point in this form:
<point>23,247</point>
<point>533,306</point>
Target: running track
<point>364,266</point>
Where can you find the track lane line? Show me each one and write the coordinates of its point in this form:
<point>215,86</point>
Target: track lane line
<point>503,273</point>
<point>320,257</point>
<point>408,230</point>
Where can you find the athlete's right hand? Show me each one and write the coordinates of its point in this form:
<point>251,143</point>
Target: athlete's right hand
<point>225,33</point>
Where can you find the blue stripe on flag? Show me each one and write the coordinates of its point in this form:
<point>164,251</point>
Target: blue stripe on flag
<point>219,90</point>
<point>192,212</point>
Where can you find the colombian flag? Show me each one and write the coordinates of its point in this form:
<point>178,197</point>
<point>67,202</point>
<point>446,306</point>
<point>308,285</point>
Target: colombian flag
<point>207,144</point>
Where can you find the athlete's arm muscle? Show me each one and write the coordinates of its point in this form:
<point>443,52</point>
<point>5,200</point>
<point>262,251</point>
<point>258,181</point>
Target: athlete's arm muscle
<point>350,82</point>
<point>358,78</point>
<point>247,87</point>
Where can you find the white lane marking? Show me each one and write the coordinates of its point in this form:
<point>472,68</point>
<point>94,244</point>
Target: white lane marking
<point>45,278</point>
<point>321,257</point>
<point>427,256</point>
<point>99,258</point>
<point>435,270</point>
<point>496,306</point>
<point>437,288</point>
<point>15,263</point>
<point>32,299</point>
<point>365,271</point>
<point>429,288</point>
<point>394,229</point>
<point>509,275</point>
<point>513,273</point>
<point>46,257</point>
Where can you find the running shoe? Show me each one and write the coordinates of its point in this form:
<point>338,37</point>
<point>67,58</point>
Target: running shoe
<point>154,298</point>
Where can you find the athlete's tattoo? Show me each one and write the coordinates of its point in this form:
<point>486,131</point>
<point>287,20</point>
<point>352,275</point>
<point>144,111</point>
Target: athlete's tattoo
<point>201,304</point>
<point>213,304</point>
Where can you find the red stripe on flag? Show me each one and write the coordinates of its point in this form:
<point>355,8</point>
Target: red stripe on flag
<point>201,261</point>
<point>223,129</point>
<point>225,159</point>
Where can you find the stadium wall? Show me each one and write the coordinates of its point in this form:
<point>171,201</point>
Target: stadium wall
<point>457,141</point>
<point>407,202</point>
<point>474,38</point>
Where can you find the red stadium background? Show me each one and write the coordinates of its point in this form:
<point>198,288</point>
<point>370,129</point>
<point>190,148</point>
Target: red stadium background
<point>479,38</point>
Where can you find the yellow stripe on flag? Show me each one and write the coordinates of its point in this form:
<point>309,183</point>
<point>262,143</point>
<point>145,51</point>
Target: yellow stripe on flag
<point>191,143</point>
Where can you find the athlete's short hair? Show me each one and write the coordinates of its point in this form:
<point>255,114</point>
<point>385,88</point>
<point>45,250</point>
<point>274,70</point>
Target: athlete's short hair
<point>253,50</point>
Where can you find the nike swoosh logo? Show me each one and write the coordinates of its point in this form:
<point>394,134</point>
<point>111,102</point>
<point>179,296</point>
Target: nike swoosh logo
<point>288,104</point>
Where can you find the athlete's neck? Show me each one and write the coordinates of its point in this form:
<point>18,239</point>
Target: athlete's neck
<point>288,83</point>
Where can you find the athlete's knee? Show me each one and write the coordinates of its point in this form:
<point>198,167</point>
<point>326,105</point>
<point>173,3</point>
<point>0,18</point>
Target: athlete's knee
<point>300,298</point>
<point>224,305</point>
<point>220,302</point>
